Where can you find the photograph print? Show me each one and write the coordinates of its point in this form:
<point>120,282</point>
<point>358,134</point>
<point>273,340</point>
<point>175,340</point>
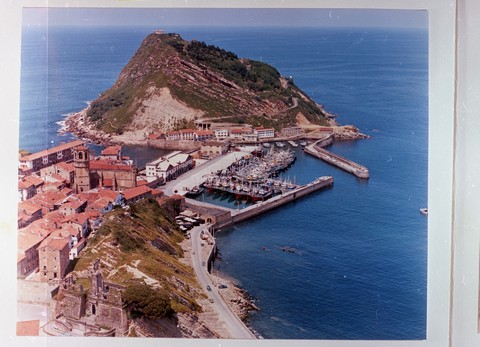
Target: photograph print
<point>223,173</point>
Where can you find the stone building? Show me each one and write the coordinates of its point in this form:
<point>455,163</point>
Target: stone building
<point>212,149</point>
<point>292,131</point>
<point>81,164</point>
<point>36,161</point>
<point>62,169</point>
<point>53,254</point>
<point>96,310</point>
<point>27,253</point>
<point>105,171</point>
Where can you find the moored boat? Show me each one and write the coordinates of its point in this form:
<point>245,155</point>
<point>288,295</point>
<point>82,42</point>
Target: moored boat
<point>424,211</point>
<point>195,191</point>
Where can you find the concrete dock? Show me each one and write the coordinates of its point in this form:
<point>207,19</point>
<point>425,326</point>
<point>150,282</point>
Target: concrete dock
<point>227,216</point>
<point>337,160</point>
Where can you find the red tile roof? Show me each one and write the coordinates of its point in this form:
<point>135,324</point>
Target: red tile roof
<point>100,203</point>
<point>204,132</point>
<point>57,243</point>
<point>79,218</point>
<point>25,184</point>
<point>66,166</point>
<point>154,136</point>
<point>74,204</point>
<point>111,150</point>
<point>52,150</point>
<point>28,207</point>
<point>141,182</point>
<point>106,164</point>
<point>131,193</point>
<point>26,240</point>
<point>36,181</point>
<point>39,228</point>
<point>107,182</point>
<point>49,198</point>
<point>156,193</point>
<point>108,193</point>
<point>65,233</point>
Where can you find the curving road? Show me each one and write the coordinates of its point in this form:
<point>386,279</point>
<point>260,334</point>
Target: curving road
<point>234,325</point>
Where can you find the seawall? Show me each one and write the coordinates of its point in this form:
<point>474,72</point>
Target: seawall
<point>335,159</point>
<point>221,217</point>
<point>277,201</point>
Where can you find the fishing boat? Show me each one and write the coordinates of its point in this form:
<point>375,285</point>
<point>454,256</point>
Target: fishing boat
<point>195,191</point>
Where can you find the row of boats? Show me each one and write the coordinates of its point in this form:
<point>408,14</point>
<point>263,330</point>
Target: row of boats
<point>251,178</point>
<point>282,144</point>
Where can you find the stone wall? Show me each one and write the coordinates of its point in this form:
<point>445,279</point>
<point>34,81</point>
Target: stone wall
<point>180,145</point>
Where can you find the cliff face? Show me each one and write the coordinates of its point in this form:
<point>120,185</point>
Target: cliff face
<point>170,82</point>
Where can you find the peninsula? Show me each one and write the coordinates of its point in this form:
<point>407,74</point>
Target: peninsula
<point>128,253</point>
<point>171,84</point>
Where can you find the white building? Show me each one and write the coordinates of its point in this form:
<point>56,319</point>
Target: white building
<point>264,133</point>
<point>221,134</point>
<point>170,166</point>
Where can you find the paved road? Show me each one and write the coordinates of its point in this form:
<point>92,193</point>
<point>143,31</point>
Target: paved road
<point>197,175</point>
<point>234,325</point>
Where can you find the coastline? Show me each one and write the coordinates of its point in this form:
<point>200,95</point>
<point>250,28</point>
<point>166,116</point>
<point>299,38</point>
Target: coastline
<point>77,124</point>
<point>236,298</point>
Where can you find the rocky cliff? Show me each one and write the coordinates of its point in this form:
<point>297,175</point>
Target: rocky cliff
<point>170,82</point>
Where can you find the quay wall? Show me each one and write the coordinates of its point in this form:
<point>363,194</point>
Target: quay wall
<point>279,200</point>
<point>341,162</point>
<point>326,141</point>
<point>180,145</point>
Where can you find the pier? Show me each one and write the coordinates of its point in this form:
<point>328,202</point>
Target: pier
<point>335,159</point>
<point>222,217</point>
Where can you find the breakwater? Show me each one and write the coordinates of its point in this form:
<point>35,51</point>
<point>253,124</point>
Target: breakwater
<point>335,159</point>
<point>223,217</point>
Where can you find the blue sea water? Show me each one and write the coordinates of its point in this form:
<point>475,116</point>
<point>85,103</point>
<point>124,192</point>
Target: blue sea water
<point>360,266</point>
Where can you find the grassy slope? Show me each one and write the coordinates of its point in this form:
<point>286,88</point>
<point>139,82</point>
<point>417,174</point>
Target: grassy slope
<point>113,110</point>
<point>147,239</point>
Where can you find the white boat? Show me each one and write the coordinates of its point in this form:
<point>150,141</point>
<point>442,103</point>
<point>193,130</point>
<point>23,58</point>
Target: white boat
<point>266,144</point>
<point>424,211</point>
<point>279,144</point>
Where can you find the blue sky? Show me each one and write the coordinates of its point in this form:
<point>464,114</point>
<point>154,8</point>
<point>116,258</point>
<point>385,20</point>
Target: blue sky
<point>159,17</point>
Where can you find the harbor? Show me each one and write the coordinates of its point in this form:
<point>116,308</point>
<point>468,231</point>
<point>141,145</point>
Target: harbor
<point>221,217</point>
<point>337,160</point>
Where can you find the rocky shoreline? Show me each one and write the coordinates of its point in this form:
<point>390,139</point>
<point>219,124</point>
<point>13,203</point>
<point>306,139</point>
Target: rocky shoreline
<point>78,124</point>
<point>239,301</point>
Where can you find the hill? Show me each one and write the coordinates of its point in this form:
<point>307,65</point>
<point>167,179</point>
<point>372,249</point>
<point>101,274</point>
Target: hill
<point>139,247</point>
<point>170,82</point>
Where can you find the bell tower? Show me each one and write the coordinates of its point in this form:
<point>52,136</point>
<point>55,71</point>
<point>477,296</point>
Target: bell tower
<point>81,165</point>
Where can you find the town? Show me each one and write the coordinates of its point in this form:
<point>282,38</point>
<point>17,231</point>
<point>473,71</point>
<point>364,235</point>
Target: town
<point>65,192</point>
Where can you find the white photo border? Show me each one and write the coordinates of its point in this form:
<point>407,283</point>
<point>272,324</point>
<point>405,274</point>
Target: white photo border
<point>442,73</point>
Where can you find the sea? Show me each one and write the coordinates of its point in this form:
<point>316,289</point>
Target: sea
<point>357,265</point>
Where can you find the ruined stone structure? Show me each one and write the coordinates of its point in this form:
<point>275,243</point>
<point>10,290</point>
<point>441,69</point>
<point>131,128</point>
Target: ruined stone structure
<point>97,311</point>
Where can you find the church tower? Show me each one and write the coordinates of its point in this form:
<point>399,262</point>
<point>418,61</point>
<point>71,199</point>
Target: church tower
<point>81,164</point>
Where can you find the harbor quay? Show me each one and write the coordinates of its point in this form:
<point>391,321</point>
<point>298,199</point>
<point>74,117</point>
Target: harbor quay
<point>221,217</point>
<point>334,159</point>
